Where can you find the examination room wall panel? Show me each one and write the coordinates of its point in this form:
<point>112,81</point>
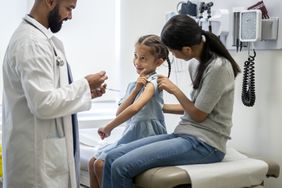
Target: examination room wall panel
<point>257,130</point>
<point>11,12</point>
<point>89,39</point>
<point>138,18</point>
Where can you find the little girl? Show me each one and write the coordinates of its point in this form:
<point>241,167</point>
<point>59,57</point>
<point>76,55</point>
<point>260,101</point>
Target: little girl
<point>142,105</point>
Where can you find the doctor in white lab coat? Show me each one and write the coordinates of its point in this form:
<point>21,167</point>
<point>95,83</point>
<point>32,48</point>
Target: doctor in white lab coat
<point>40,143</point>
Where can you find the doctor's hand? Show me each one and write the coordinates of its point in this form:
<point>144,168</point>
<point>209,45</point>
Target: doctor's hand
<point>166,84</point>
<point>98,92</point>
<point>95,81</point>
<point>104,133</point>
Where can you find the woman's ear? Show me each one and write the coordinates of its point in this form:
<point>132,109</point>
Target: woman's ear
<point>187,50</point>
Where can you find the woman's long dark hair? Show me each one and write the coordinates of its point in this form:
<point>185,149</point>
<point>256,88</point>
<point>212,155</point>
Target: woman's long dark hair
<point>183,31</point>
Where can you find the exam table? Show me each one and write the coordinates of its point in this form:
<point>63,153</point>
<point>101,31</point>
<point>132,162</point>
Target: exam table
<point>160,177</point>
<point>169,177</point>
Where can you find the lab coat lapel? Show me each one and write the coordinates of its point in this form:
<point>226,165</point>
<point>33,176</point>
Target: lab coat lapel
<point>67,120</point>
<point>75,134</point>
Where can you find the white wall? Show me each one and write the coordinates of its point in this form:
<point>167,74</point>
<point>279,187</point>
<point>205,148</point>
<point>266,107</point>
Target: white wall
<point>11,12</point>
<point>138,18</point>
<point>90,41</point>
<point>89,38</point>
<point>256,130</point>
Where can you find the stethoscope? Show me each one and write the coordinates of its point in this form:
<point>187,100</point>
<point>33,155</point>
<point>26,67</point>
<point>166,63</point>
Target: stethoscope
<point>59,60</point>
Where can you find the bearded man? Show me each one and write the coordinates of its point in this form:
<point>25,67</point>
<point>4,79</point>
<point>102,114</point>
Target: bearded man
<point>40,102</point>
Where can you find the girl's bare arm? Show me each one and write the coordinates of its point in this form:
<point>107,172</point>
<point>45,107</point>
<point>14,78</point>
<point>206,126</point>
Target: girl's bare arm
<point>133,108</point>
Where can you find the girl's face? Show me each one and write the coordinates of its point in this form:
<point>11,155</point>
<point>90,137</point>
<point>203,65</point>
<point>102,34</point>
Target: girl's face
<point>144,59</point>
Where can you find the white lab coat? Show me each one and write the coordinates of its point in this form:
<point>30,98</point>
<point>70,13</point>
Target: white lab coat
<point>37,106</point>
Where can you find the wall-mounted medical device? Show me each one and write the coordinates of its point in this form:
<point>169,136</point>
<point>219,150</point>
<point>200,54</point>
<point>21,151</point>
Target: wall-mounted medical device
<point>255,24</point>
<point>209,19</point>
<point>250,25</point>
<point>187,8</point>
<point>253,28</point>
<point>223,19</point>
<point>269,30</point>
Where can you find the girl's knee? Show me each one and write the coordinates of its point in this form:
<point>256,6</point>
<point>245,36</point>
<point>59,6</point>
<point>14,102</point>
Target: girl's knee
<point>91,164</point>
<point>98,165</point>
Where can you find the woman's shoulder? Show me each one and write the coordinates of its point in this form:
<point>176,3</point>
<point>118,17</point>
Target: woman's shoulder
<point>220,65</point>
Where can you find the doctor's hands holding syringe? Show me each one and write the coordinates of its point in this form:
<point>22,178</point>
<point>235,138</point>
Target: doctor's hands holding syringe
<point>96,83</point>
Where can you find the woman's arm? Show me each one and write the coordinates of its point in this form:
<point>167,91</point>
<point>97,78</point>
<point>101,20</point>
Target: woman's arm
<point>188,106</point>
<point>130,111</point>
<point>173,109</point>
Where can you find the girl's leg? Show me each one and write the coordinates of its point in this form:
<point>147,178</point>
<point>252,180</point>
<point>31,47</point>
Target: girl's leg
<point>98,168</point>
<point>92,176</point>
<point>123,149</point>
<point>172,151</point>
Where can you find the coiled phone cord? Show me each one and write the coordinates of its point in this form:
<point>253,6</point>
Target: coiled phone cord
<point>248,86</point>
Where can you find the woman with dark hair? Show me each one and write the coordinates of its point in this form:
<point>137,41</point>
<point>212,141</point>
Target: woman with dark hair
<point>203,131</point>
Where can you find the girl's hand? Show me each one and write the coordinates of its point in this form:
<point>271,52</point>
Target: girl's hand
<point>103,133</point>
<point>141,81</point>
<point>165,84</point>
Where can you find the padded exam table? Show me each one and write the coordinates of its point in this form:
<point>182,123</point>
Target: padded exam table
<point>161,177</point>
<point>175,177</point>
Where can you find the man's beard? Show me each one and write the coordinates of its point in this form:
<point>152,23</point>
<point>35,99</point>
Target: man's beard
<point>54,20</point>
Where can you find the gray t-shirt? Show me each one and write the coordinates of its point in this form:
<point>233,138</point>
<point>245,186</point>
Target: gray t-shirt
<point>214,96</point>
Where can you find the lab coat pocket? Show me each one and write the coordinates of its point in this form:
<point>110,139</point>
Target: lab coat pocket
<point>55,160</point>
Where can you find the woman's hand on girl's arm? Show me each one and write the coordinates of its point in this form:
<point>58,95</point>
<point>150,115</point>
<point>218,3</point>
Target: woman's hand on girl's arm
<point>188,106</point>
<point>164,83</point>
